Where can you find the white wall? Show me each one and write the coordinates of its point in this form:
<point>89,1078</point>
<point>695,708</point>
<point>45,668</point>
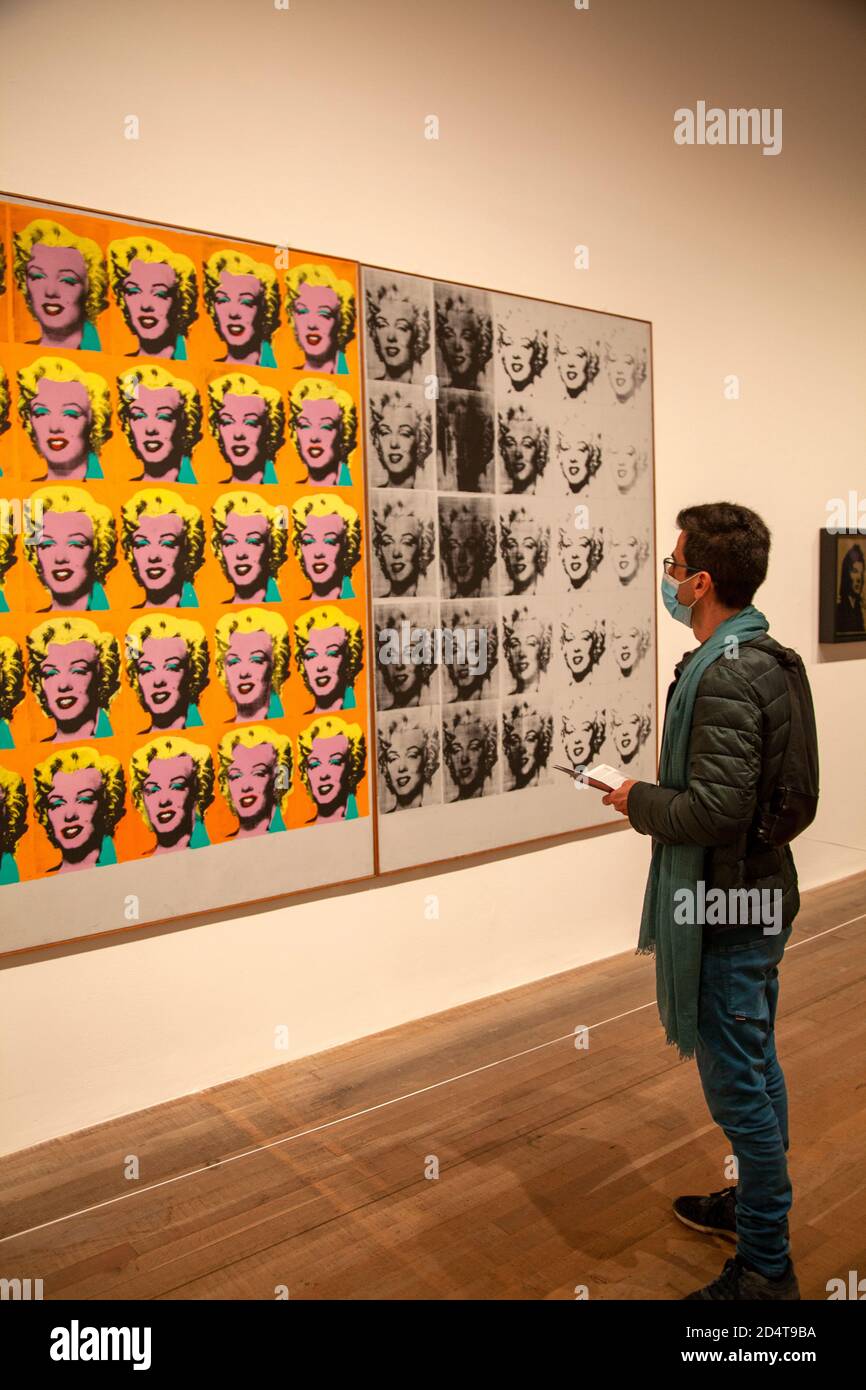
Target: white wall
<point>306,126</point>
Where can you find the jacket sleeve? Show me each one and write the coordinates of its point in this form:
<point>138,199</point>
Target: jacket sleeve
<point>724,768</point>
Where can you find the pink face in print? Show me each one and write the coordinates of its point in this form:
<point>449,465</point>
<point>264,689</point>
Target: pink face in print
<point>61,415</point>
<point>322,548</point>
<point>169,798</point>
<point>163,673</point>
<point>242,426</point>
<point>150,297</point>
<point>66,558</point>
<point>249,667</point>
<point>238,307</point>
<point>251,779</point>
<point>69,677</point>
<point>246,548</point>
<point>74,806</point>
<point>319,436</point>
<point>328,771</point>
<point>157,433</point>
<point>158,550</point>
<point>57,288</point>
<point>316,317</point>
<point>324,663</point>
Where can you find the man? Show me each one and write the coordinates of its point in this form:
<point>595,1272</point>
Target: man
<point>725,737</point>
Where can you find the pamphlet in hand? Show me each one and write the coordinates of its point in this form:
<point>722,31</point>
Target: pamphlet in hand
<point>603,777</point>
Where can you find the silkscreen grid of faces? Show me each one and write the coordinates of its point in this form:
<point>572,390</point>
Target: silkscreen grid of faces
<point>510,467</point>
<point>182,591</point>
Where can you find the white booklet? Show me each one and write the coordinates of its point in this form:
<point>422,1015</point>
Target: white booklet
<point>603,777</point>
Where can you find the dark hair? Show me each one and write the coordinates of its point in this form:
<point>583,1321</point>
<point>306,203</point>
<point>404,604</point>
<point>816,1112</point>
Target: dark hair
<point>732,544</point>
<point>853,556</point>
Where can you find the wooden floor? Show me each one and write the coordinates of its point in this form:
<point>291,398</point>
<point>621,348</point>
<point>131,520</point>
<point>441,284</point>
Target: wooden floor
<point>556,1167</point>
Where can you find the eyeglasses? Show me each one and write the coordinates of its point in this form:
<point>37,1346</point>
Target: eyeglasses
<point>669,564</point>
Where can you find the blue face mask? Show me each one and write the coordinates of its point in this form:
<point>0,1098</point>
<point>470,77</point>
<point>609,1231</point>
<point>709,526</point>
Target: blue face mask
<point>681,611</point>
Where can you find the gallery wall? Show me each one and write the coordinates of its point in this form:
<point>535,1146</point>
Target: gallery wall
<point>553,131</point>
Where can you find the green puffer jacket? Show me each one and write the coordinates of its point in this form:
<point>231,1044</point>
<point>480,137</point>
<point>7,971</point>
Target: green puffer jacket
<point>737,746</point>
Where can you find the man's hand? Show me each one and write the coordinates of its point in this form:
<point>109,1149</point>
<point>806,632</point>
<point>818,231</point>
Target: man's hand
<point>618,798</point>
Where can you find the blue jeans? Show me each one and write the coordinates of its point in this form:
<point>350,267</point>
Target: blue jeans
<point>745,1089</point>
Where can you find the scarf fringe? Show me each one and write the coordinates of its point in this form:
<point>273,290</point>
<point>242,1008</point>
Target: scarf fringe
<point>685,1055</point>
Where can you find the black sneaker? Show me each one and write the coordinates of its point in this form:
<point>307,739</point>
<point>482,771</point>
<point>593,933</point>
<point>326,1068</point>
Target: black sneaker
<point>715,1215</point>
<point>742,1285</point>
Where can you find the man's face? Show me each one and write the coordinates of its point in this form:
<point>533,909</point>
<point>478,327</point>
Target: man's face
<point>685,594</point>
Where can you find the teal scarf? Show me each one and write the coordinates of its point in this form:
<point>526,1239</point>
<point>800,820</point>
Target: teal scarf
<point>677,947</point>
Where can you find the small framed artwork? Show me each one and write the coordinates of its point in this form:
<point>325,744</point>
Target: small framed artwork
<point>843,586</point>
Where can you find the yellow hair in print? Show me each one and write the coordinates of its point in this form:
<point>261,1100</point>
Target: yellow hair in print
<point>158,379</point>
<point>250,504</point>
<point>170,746</point>
<point>256,620</point>
<point>62,370</point>
<point>238,263</point>
<point>323,276</point>
<point>13,809</point>
<point>60,631</point>
<point>5,422</point>
<point>74,760</point>
<point>166,625</point>
<point>328,504</point>
<point>315,389</point>
<point>158,501</point>
<point>324,617</point>
<point>329,726</point>
<point>49,233</point>
<point>239,384</point>
<point>11,676</point>
<point>144,248</point>
<point>251,736</point>
<point>7,545</point>
<point>57,497</point>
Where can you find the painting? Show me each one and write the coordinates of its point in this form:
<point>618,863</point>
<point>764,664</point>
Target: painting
<point>842,586</point>
<point>291,548</point>
<point>513,578</point>
<point>183,609</point>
